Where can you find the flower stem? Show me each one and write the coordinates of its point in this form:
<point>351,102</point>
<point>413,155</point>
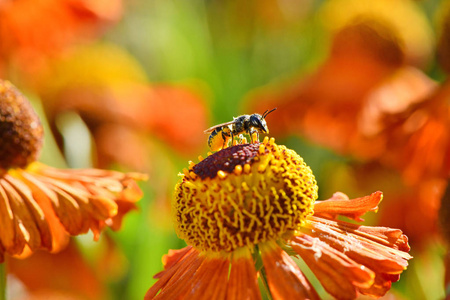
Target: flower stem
<point>262,272</point>
<point>3,281</point>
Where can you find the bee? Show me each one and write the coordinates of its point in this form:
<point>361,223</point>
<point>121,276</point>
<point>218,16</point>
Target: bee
<point>222,134</point>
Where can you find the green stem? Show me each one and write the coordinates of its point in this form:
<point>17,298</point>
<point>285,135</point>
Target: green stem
<point>3,281</point>
<point>262,272</point>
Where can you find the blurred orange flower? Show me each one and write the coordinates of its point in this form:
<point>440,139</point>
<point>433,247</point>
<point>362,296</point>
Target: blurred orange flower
<point>117,100</point>
<point>41,206</point>
<point>368,101</point>
<point>31,31</point>
<point>245,209</point>
<point>75,280</point>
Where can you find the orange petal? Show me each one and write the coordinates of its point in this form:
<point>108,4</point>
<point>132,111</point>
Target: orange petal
<point>68,211</point>
<point>189,276</point>
<point>339,204</point>
<point>210,280</point>
<point>44,198</point>
<point>370,250</point>
<point>86,199</point>
<point>26,229</point>
<point>339,275</point>
<point>172,258</point>
<point>176,279</point>
<point>9,239</point>
<point>243,282</point>
<point>285,279</point>
<point>45,237</point>
<point>381,285</point>
<point>123,208</point>
<point>391,237</point>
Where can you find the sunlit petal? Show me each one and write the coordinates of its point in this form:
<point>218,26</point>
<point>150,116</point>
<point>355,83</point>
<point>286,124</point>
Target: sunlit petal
<point>339,204</point>
<point>340,275</point>
<point>285,279</point>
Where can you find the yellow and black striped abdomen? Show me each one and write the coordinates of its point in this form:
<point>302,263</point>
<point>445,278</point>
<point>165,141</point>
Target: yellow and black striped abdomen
<point>219,138</point>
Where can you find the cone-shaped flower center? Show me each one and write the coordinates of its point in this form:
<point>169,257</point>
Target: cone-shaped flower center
<point>21,131</point>
<point>243,195</point>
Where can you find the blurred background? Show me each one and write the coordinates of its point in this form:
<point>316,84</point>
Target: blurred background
<point>361,89</point>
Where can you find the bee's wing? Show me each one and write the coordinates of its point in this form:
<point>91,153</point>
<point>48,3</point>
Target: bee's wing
<point>210,129</point>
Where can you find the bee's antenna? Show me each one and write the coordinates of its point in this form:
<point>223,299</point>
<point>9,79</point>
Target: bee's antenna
<point>268,112</point>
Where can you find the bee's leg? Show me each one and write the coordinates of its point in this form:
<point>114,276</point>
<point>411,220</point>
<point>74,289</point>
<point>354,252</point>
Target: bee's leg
<point>251,135</point>
<point>240,137</point>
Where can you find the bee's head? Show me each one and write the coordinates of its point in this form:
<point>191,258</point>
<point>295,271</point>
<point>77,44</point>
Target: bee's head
<point>259,123</point>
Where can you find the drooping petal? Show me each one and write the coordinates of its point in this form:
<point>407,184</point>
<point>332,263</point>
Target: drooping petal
<point>35,211</point>
<point>25,227</point>
<point>339,275</point>
<point>67,208</point>
<point>285,279</point>
<point>91,194</point>
<point>381,285</point>
<point>243,282</point>
<point>41,206</point>
<point>388,236</point>
<point>10,238</point>
<point>44,197</point>
<point>123,207</point>
<point>340,204</point>
<point>370,250</point>
<point>382,250</point>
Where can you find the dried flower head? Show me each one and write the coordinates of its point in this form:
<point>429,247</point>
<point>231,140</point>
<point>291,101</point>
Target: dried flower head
<point>21,131</point>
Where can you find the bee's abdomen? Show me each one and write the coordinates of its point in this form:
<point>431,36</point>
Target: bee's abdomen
<point>218,138</point>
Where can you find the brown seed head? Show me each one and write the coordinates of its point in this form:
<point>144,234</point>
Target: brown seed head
<point>21,132</point>
<point>226,160</point>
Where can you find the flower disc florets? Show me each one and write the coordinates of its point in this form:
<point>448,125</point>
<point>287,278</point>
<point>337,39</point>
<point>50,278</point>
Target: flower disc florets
<point>21,132</point>
<point>243,195</point>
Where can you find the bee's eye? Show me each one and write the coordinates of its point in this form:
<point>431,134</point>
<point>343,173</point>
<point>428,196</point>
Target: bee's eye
<point>255,121</point>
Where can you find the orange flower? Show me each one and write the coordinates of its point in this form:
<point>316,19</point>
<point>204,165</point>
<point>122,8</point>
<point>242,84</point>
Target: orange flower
<point>41,206</point>
<point>245,209</point>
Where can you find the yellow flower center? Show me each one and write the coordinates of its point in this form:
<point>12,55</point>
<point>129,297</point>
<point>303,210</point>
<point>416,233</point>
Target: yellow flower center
<point>243,195</point>
<point>21,132</point>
